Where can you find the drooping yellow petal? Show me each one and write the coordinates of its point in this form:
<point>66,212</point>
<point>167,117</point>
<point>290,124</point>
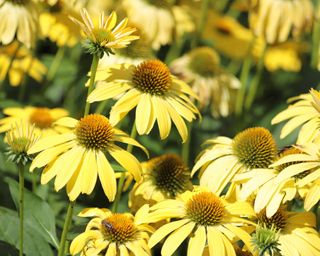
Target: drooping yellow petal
<point>215,242</point>
<point>112,250</point>
<point>89,171</point>
<point>81,240</point>
<point>136,249</point>
<point>197,242</point>
<point>162,115</point>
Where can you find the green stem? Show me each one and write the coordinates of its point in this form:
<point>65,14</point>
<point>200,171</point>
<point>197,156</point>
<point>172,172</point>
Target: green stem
<point>55,64</point>
<point>244,79</point>
<point>202,23</point>
<point>186,146</point>
<point>315,44</point>
<point>123,175</point>
<point>101,107</point>
<point>66,228</point>
<point>255,81</point>
<point>10,63</point>
<point>21,206</point>
<point>94,67</point>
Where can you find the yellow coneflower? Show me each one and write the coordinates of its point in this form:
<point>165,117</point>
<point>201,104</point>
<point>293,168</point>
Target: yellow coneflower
<point>19,19</point>
<point>224,158</point>
<point>304,111</point>
<point>205,217</point>
<point>105,37</point>
<point>113,234</point>
<point>304,167</point>
<point>22,63</point>
<point>163,177</point>
<point>294,230</point>
<point>262,183</point>
<point>214,87</point>
<point>151,88</point>
<point>266,18</point>
<point>41,117</point>
<point>76,158</point>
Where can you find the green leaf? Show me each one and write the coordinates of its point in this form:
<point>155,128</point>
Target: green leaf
<point>9,233</point>
<point>37,212</point>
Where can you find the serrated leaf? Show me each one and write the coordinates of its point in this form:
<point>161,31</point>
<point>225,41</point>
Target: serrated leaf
<point>37,212</point>
<point>9,233</point>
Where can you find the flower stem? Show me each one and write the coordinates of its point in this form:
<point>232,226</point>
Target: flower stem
<point>55,64</point>
<point>255,81</point>
<point>315,44</point>
<point>94,67</point>
<point>66,228</point>
<point>21,206</point>
<point>244,80</point>
<point>202,23</point>
<point>123,175</point>
<point>186,146</point>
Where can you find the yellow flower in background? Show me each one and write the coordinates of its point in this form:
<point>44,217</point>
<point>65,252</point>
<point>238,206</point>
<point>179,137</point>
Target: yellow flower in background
<point>113,234</point>
<point>153,90</point>
<point>304,112</point>
<point>76,158</point>
<point>304,167</point>
<point>23,63</point>
<point>19,20</point>
<point>106,36</point>
<point>224,157</point>
<point>262,183</point>
<point>201,217</point>
<point>57,26</point>
<point>266,18</point>
<point>215,88</point>
<point>296,232</point>
<point>41,117</point>
<point>312,195</point>
<point>163,177</point>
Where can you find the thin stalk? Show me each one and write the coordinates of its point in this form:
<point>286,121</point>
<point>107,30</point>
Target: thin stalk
<point>244,80</point>
<point>21,206</point>
<point>55,64</point>
<point>66,228</point>
<point>256,80</point>
<point>94,67</point>
<point>10,63</point>
<point>202,22</point>
<point>101,107</point>
<point>315,44</point>
<point>123,175</point>
<point>186,146</point>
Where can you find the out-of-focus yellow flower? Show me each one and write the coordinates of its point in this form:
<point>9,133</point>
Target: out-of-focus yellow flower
<point>57,26</point>
<point>153,90</point>
<point>267,18</point>
<point>163,177</point>
<point>209,218</point>
<point>77,157</point>
<point>22,63</point>
<point>41,117</point>
<point>262,183</point>
<point>214,87</point>
<point>106,36</point>
<point>19,19</point>
<point>296,232</point>
<point>113,234</point>
<point>224,158</point>
<point>305,112</point>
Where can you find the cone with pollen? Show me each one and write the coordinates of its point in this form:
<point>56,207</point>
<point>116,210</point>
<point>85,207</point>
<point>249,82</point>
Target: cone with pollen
<point>153,90</point>
<point>113,234</point>
<point>40,117</point>
<point>164,177</point>
<point>262,184</point>
<point>77,157</point>
<point>225,157</point>
<point>295,230</point>
<point>201,217</point>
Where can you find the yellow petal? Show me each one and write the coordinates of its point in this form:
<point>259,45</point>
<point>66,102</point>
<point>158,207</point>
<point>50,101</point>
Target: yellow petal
<point>81,240</point>
<point>67,121</point>
<point>112,250</point>
<point>215,242</point>
<point>143,112</point>
<point>162,115</point>
<point>197,242</point>
<point>89,171</point>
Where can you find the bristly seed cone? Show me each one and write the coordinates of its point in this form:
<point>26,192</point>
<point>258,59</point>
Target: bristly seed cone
<point>41,118</point>
<point>94,131</point>
<point>205,208</point>
<point>278,220</point>
<point>255,147</point>
<point>119,228</point>
<point>153,77</point>
<point>171,175</point>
